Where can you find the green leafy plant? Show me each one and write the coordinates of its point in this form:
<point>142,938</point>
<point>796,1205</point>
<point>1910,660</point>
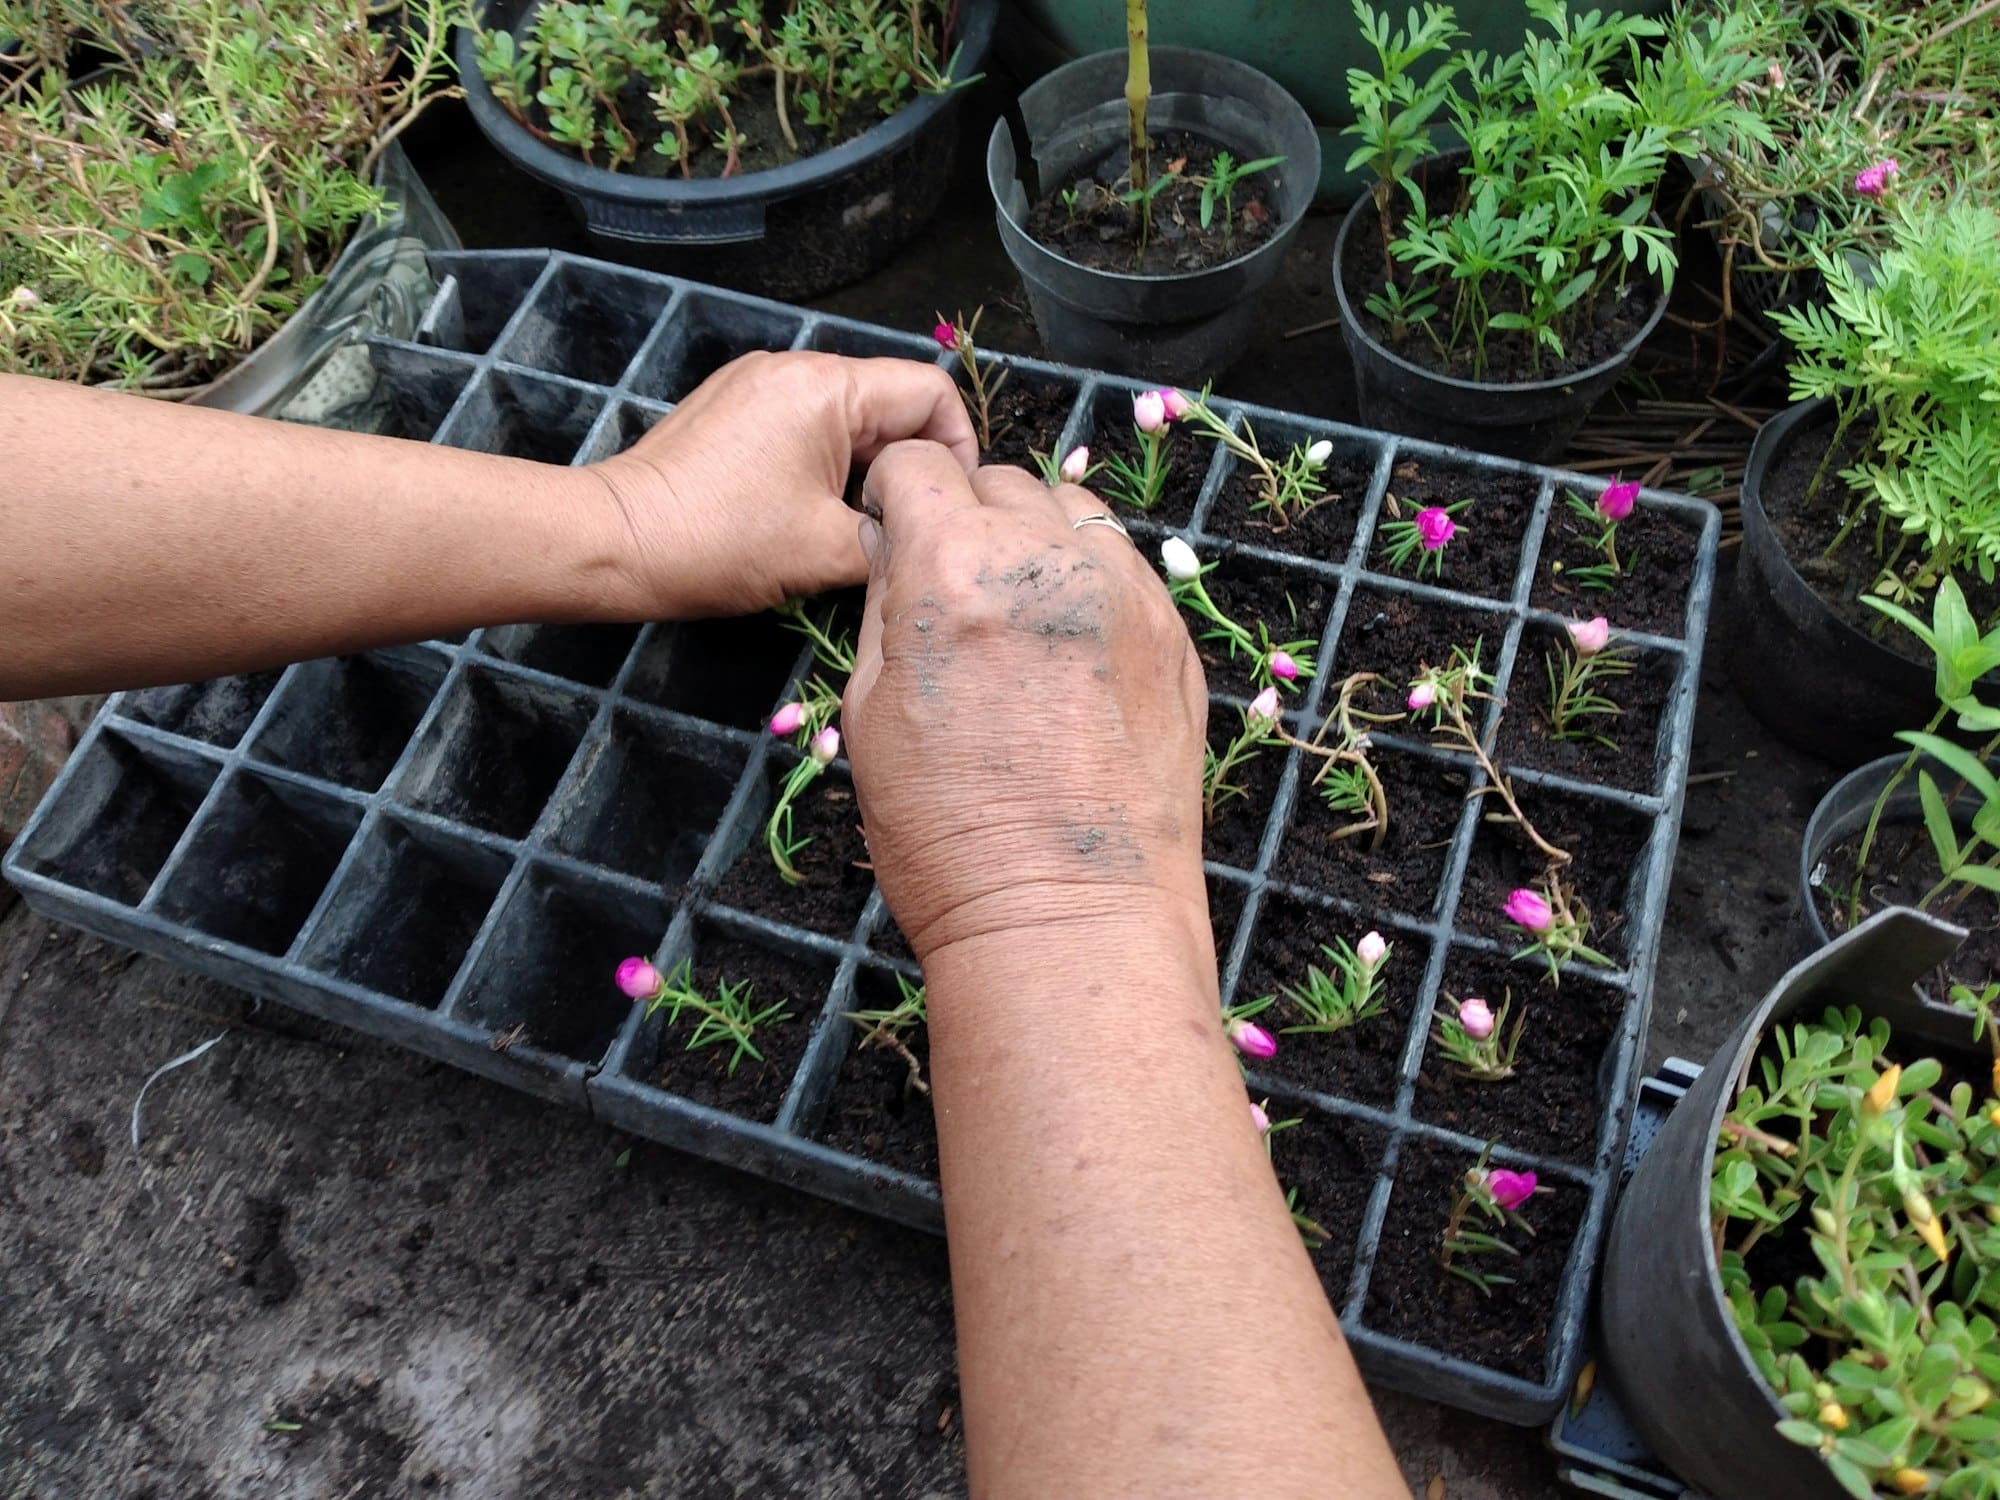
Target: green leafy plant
<point>890,1029</point>
<point>1487,1200</point>
<point>181,174</point>
<point>1224,174</point>
<point>1347,780</point>
<point>1884,1354</point>
<point>1286,488</point>
<point>1260,728</point>
<point>1577,669</point>
<point>1346,992</point>
<point>728,1018</point>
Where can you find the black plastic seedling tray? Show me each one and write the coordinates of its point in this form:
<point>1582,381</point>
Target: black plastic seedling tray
<point>451,844</point>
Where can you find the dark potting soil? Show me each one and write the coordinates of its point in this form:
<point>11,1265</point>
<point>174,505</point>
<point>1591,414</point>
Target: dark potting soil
<point>1103,233</point>
<point>833,886</point>
<point>755,1089</point>
<point>1526,738</point>
<point>1395,635</point>
<point>1187,469</point>
<point>1238,827</point>
<point>1333,1163</point>
<point>1425,800</point>
<point>1656,551</point>
<point>1411,1296</point>
<point>1484,553</point>
<point>1604,842</point>
<point>1026,417</point>
<point>1902,868</point>
<point>1324,531</point>
<point>874,1111</point>
<point>1359,1062</point>
<point>1551,1106</point>
<point>1291,605</point>
<point>1511,357</point>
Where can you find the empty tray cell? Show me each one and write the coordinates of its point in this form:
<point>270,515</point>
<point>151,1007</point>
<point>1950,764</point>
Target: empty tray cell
<point>704,334</point>
<point>1632,760</point>
<point>470,312</point>
<point>1323,528</point>
<point>726,671</point>
<point>880,1107</point>
<point>1490,506</point>
<point>1281,605</point>
<point>407,910</point>
<point>259,862</point>
<point>859,341</point>
<point>419,387</point>
<point>347,718</point>
<point>494,753</point>
<point>123,808</point>
<point>586,323</point>
<point>648,799</point>
<point>589,654</point>
<point>218,710</point>
<point>627,423</point>
<point>524,417</point>
<point>549,965</point>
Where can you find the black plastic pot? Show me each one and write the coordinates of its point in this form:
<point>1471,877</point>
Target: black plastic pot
<point>1814,680</point>
<point>1670,1345</point>
<point>792,231</point>
<point>1532,420</point>
<point>1183,328</point>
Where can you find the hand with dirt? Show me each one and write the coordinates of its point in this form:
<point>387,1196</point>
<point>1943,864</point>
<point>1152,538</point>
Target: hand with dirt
<point>733,503</point>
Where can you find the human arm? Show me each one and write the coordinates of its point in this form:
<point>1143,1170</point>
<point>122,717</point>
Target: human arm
<point>1136,1313</point>
<point>144,543</point>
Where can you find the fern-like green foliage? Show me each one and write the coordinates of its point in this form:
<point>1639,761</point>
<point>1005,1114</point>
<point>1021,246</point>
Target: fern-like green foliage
<point>1912,347</point>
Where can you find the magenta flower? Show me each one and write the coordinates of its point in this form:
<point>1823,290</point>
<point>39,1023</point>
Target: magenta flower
<point>1258,1118</point>
<point>1371,950</point>
<point>1510,1189</point>
<point>1251,1039</point>
<point>1589,636</point>
<point>1873,181</point>
<point>825,745</point>
<point>946,335</point>
<point>1476,1016</point>
<point>1615,504</point>
<point>1076,466</point>
<point>1283,667</point>
<point>1422,696</point>
<point>1435,526</point>
<point>639,980</point>
<point>1149,411</point>
<point>1526,908</point>
<point>788,720</point>
<point>1265,706</point>
<point>1176,404</point>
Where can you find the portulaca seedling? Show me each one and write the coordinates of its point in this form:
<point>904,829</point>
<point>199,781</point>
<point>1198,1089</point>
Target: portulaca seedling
<point>729,1018</point>
<point>982,382</point>
<point>1602,515</point>
<point>888,1029</point>
<point>1142,484</point>
<point>1260,721</point>
<point>1244,1034</point>
<point>1347,779</point>
<point>1422,537</point>
<point>1557,924</point>
<point>1345,993</point>
<point>818,703</point>
<point>1286,488</point>
<point>1313,1233</point>
<point>1075,468</point>
<point>1278,663</point>
<point>1488,1199</point>
<point>821,751</point>
<point>1472,1035</point>
<point>1576,701</point>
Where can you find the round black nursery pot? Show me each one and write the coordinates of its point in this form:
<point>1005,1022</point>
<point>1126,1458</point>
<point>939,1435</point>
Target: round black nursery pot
<point>792,231</point>
<point>1670,1344</point>
<point>1531,420</point>
<point>1186,327</point>
<point>1813,679</point>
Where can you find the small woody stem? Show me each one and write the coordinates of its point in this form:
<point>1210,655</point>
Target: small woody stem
<point>1138,89</point>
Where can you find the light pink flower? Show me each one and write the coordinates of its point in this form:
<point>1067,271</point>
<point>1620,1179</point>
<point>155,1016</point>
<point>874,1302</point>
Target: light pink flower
<point>1251,1039</point>
<point>1476,1016</point>
<point>1283,667</point>
<point>639,980</point>
<point>1149,411</point>
<point>1615,504</point>
<point>1435,527</point>
<point>1371,950</point>
<point>1076,466</point>
<point>1176,404</point>
<point>1265,706</point>
<point>1422,696</point>
<point>788,720</point>
<point>1589,636</point>
<point>1510,1189</point>
<point>1526,908</point>
<point>1873,181</point>
<point>825,747</point>
<point>1258,1118</point>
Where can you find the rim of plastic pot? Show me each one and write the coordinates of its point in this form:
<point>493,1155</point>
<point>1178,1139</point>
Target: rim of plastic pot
<point>560,169</point>
<point>1364,206</point>
<point>1175,70</point>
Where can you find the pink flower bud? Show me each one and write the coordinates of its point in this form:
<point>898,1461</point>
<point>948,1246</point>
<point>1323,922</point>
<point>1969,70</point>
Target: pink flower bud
<point>1435,527</point>
<point>1283,667</point>
<point>1615,504</point>
<point>1371,950</point>
<point>1149,411</point>
<point>1510,1189</point>
<point>1873,181</point>
<point>1476,1016</point>
<point>788,720</point>
<point>1526,908</point>
<point>946,335</point>
<point>639,980</point>
<point>1589,636</point>
<point>1265,706</point>
<point>1076,466</point>
<point>24,297</point>
<point>1258,1118</point>
<point>1176,404</point>
<point>825,745</point>
<point>1251,1039</point>
<point>1422,696</point>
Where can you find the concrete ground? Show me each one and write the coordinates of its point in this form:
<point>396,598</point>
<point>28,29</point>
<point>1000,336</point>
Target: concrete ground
<point>338,1269</point>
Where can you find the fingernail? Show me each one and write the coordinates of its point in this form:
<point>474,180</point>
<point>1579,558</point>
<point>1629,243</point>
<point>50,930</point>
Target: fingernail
<point>871,538</point>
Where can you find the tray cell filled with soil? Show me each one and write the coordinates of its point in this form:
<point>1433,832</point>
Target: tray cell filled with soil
<point>834,877</point>
<point>1027,413</point>
<point>1404,873</point>
<point>1111,434</point>
<point>1635,757</point>
<point>1322,529</point>
<point>1333,1163</point>
<point>877,1109</point>
<point>1290,604</point>
<point>1657,549</point>
<point>1484,552</point>
<point>1395,633</point>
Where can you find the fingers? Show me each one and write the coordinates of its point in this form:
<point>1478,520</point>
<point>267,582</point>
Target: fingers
<point>912,485</point>
<point>890,400</point>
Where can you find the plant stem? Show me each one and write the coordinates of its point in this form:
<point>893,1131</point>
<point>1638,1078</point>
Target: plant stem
<point>1875,820</point>
<point>1138,89</point>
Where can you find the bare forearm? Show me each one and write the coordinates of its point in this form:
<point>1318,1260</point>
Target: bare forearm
<point>140,543</point>
<point>1134,1303</point>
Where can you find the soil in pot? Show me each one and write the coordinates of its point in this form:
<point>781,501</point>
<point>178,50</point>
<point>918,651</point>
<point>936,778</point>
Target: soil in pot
<point>1411,1296</point>
<point>1359,1062</point>
<point>1083,220</point>
<point>1425,800</point>
<point>874,1111</point>
<point>1395,635</point>
<point>1232,837</point>
<point>1552,1105</point>
<point>1324,531</point>
<point>1481,558</point>
<point>1290,604</point>
<point>834,883</point>
<point>1604,840</point>
<point>1657,551</point>
<point>1902,868</point>
<point>1026,417</point>
<point>1630,763</point>
<point>754,1090</point>
<point>1333,1164</point>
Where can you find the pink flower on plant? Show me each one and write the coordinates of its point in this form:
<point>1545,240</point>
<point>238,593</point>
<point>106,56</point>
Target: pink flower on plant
<point>946,335</point>
<point>1589,636</point>
<point>1283,667</point>
<point>1251,1039</point>
<point>788,720</point>
<point>1615,504</point>
<point>1371,950</point>
<point>1873,181</point>
<point>1476,1016</point>
<point>1529,909</point>
<point>1258,1118</point>
<point>639,980</point>
<point>1177,405</point>
<point>1265,706</point>
<point>1422,696</point>
<point>1149,411</point>
<point>1435,527</point>
<point>825,747</point>
<point>1510,1189</point>
<point>1076,466</point>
